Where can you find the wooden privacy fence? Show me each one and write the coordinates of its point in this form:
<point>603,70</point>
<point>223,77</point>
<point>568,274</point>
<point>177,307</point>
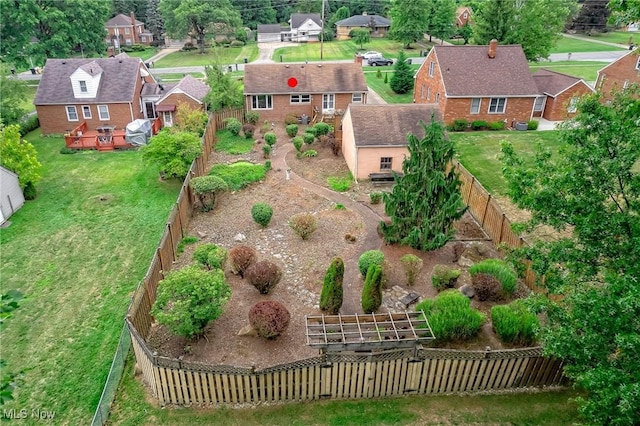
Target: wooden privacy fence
<point>333,375</point>
<point>220,116</point>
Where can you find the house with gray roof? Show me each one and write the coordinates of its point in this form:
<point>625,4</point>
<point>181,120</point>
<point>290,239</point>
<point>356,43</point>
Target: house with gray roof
<point>312,90</point>
<point>559,94</point>
<point>304,27</point>
<point>378,25</point>
<point>478,83</point>
<point>374,137</point>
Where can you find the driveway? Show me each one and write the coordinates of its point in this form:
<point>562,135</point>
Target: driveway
<point>267,49</point>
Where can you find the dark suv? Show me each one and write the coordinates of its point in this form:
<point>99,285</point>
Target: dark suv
<point>379,61</point>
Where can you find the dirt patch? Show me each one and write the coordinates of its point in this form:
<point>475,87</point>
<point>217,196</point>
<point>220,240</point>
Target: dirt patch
<point>304,263</point>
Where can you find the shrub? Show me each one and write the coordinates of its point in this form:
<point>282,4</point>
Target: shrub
<point>241,258</point>
<point>211,256</point>
<point>532,125</point>
<point>514,323</point>
<point>189,298</point>
<point>460,125</point>
<point>269,318</point>
<point>339,184</point>
<point>487,287</point>
<point>292,130</point>
<point>310,153</point>
<point>265,127</point>
<point>188,46</point>
<point>372,290</point>
<point>479,125</point>
<point>206,188</point>
<point>65,150</point>
<point>290,119</point>
<point>368,258</point>
<point>443,277</point>
<point>332,291</point>
<point>497,125</point>
<point>334,144</point>
<point>375,197</point>
<point>308,138</point>
<point>340,206</point>
<point>262,213</point>
<point>240,174</point>
<point>189,239</point>
<point>264,276</point>
<point>29,191</point>
<point>270,138</point>
<point>412,266</point>
<point>233,125</point>
<point>457,248</point>
<point>252,117</point>
<point>303,224</point>
<point>236,43</point>
<point>322,129</point>
<point>312,131</point>
<point>31,123</point>
<point>172,152</point>
<point>297,143</point>
<point>451,317</point>
<point>500,270</point>
<point>248,130</point>
<point>379,73</point>
<point>386,77</point>
<point>266,151</point>
<point>267,165</point>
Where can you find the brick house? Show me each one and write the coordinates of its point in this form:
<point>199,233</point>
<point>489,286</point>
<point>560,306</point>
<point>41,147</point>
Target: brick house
<point>123,30</point>
<point>463,16</point>
<point>97,91</point>
<point>489,83</point>
<point>275,90</point>
<point>619,74</point>
<point>559,93</point>
<point>374,137</point>
<point>378,25</point>
<point>189,91</point>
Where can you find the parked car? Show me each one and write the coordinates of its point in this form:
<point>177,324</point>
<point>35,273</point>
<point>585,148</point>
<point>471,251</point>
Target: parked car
<point>371,54</point>
<point>376,62</point>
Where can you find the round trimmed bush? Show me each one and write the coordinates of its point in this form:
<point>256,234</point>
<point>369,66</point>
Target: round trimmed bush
<point>368,258</point>
<point>269,318</point>
<point>444,277</point>
<point>412,266</point>
<point>451,316</point>
<point>308,138</point>
<point>270,138</point>
<point>211,256</point>
<point>262,213</point>
<point>292,130</point>
<point>303,224</point>
<point>233,125</point>
<point>252,117</point>
<point>487,287</point>
<point>297,143</point>
<point>264,276</point>
<point>500,270</point>
<point>241,258</point>
<point>514,323</point>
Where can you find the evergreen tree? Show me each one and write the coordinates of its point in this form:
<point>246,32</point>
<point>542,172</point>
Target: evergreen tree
<point>494,20</point>
<point>402,79</point>
<point>372,290</point>
<point>426,200</point>
<point>332,292</point>
<point>155,23</point>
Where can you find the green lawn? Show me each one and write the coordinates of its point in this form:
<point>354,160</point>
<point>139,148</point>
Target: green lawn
<point>587,70</point>
<point>567,44</point>
<point>478,152</point>
<point>378,85</point>
<point>77,252</point>
<point>226,142</point>
<point>219,55</point>
<point>339,50</point>
<point>145,54</point>
<point>623,38</point>
<point>544,408</point>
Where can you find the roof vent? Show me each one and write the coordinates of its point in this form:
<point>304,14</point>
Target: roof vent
<point>119,61</point>
<point>64,62</point>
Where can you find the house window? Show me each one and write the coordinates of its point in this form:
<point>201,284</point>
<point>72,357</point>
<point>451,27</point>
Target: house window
<point>432,68</point>
<point>356,97</point>
<point>261,102</point>
<point>497,105</point>
<point>385,163</point>
<point>475,105</point>
<point>300,99</point>
<point>126,30</point>
<point>422,91</point>
<point>539,104</point>
<point>86,111</point>
<point>638,64</point>
<point>428,93</point>
<point>83,86</point>
<point>167,118</point>
<point>72,113</point>
<point>328,102</point>
<point>573,105</point>
<point>464,15</point>
<point>103,112</point>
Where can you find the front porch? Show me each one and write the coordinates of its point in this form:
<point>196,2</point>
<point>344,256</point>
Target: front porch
<point>103,138</point>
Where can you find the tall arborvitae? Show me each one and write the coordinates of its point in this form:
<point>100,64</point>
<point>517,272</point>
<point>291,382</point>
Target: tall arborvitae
<point>372,290</point>
<point>426,200</point>
<point>332,293</point>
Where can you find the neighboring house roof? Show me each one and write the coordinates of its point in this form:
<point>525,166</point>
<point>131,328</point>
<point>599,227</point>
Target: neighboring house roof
<point>191,87</point>
<point>117,84</point>
<point>269,28</point>
<point>156,89</point>
<point>298,19</point>
<point>469,71</point>
<point>364,21</point>
<point>389,125</point>
<point>553,83</point>
<point>121,20</point>
<point>621,58</point>
<point>325,77</point>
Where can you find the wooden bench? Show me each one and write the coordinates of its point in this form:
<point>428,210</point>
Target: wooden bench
<point>385,178</point>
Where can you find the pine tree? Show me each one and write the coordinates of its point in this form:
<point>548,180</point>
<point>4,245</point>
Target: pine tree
<point>402,79</point>
<point>426,200</point>
<point>372,290</point>
<point>332,293</point>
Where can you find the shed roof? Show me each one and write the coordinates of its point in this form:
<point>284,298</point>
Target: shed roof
<point>468,71</point>
<point>553,83</point>
<point>117,84</point>
<point>363,21</point>
<point>270,29</point>
<point>379,125</point>
<point>325,77</point>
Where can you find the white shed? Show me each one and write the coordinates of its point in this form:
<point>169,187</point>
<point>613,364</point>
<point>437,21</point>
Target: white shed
<point>11,197</point>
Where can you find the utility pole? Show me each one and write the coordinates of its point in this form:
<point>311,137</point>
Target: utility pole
<point>322,30</point>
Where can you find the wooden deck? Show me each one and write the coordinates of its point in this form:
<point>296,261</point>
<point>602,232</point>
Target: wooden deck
<point>103,139</point>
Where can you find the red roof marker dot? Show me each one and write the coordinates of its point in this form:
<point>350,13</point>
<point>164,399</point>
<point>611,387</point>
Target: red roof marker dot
<point>292,82</point>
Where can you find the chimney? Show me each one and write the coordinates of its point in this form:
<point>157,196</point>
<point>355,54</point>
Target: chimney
<point>134,30</point>
<point>493,47</point>
<point>358,59</point>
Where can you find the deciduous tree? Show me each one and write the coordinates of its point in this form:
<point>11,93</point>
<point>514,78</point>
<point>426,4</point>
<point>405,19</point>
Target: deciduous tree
<point>360,36</point>
<point>592,190</point>
<point>19,156</point>
<point>409,20</point>
<point>172,152</point>
<point>426,199</point>
<point>13,93</point>
<point>442,20</point>
<point>225,92</point>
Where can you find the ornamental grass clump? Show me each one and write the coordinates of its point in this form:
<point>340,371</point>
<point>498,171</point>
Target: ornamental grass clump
<point>210,256</point>
<point>412,266</point>
<point>262,213</point>
<point>264,276</point>
<point>269,318</point>
<point>451,316</point>
<point>514,323</point>
<point>498,269</point>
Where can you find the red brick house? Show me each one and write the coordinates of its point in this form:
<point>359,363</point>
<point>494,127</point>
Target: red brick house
<point>123,30</point>
<point>275,90</point>
<point>189,91</point>
<point>489,83</point>
<point>619,74</point>
<point>374,137</point>
<point>559,94</point>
